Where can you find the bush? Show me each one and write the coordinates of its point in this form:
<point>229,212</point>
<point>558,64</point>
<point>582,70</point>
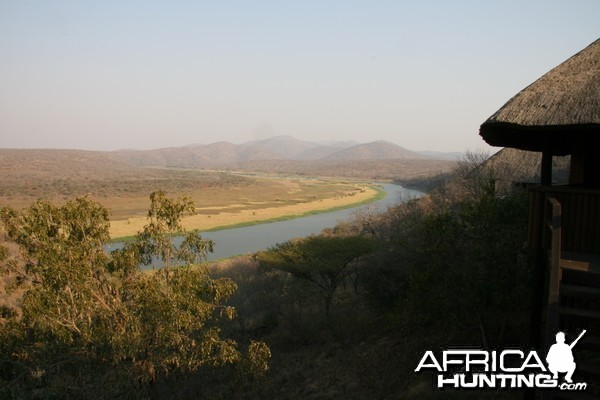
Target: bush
<point>89,331</point>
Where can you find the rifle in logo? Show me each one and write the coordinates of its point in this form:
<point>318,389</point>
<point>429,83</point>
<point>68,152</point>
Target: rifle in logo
<point>560,357</point>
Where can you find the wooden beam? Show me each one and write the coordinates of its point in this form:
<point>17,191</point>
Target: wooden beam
<point>546,172</point>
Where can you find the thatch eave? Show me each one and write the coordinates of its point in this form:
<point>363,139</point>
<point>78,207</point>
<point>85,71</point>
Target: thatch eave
<point>557,140</point>
<point>557,112</point>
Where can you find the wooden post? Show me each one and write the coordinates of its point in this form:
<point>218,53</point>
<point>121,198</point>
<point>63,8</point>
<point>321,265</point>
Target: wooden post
<point>536,234</point>
<point>536,229</point>
<point>546,172</point>
<point>555,273</point>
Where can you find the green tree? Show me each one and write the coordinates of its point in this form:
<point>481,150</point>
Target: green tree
<point>164,221</point>
<point>324,261</point>
<point>64,259</point>
<point>86,329</point>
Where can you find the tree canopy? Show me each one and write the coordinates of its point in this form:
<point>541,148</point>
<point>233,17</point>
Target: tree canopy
<point>324,261</point>
<point>86,329</point>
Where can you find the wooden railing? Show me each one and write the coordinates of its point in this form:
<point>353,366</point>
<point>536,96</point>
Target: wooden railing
<point>564,232</point>
<point>580,216</point>
<point>579,240</point>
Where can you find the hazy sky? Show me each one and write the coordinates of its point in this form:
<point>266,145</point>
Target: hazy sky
<point>106,74</point>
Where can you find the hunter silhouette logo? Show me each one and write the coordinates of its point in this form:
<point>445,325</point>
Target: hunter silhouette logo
<point>508,368</point>
<point>560,357</point>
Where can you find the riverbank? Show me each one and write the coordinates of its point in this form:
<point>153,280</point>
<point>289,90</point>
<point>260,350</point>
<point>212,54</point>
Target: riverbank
<point>260,236</point>
<point>235,216</point>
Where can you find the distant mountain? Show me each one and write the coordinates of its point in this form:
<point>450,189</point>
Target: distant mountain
<point>224,151</point>
<point>337,143</point>
<point>282,147</point>
<point>170,156</point>
<point>379,150</point>
<point>227,153</point>
<point>220,154</point>
<point>440,155</point>
<point>289,148</point>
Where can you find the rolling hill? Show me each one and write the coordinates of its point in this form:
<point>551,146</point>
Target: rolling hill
<point>221,154</point>
<point>378,150</point>
<point>27,174</point>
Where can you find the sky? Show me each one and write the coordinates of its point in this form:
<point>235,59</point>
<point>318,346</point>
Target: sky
<point>108,75</point>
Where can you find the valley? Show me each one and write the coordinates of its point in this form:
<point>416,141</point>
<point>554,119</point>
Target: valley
<point>231,185</point>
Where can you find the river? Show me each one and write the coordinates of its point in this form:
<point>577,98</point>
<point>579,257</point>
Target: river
<point>250,239</point>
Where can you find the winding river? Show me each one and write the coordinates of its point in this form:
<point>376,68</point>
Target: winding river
<point>250,239</point>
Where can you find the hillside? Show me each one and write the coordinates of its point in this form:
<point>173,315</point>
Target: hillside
<point>383,170</point>
<point>219,154</point>
<point>279,147</point>
<point>378,150</point>
<point>47,163</point>
<point>29,174</point>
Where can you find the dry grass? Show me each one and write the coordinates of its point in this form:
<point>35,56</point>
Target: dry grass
<point>267,199</point>
<point>222,198</point>
<point>376,170</point>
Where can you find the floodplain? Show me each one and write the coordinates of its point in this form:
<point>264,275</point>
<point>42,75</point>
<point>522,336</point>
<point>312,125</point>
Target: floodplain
<point>222,198</point>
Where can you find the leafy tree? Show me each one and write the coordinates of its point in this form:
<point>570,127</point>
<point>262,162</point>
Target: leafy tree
<point>324,261</point>
<point>64,258</point>
<point>164,221</point>
<point>91,326</point>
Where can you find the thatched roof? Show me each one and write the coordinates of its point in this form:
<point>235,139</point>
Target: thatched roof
<point>521,166</point>
<point>558,109</point>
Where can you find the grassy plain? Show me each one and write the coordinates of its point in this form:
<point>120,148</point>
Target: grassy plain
<point>265,199</point>
<point>222,198</point>
<point>262,191</point>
